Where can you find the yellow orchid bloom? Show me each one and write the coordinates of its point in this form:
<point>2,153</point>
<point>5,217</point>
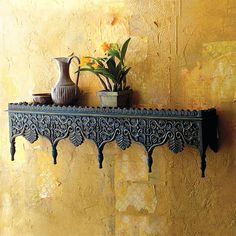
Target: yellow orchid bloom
<point>95,65</point>
<point>85,61</point>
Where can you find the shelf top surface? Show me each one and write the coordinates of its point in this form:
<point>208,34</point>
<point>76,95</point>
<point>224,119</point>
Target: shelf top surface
<point>106,111</point>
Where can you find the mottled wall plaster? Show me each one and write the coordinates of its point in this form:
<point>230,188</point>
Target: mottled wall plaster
<point>182,55</point>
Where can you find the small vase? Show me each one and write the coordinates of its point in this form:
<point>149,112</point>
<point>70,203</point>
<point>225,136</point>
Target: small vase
<point>121,99</point>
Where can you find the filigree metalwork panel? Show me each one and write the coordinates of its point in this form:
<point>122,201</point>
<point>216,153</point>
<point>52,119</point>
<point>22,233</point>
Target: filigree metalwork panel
<point>148,127</point>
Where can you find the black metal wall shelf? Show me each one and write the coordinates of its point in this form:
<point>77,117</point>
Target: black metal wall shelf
<point>151,128</point>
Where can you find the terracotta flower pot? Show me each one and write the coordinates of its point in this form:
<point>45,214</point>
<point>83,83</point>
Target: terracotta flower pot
<point>119,99</point>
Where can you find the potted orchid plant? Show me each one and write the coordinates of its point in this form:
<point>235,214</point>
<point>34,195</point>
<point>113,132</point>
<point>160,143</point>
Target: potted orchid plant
<point>111,72</point>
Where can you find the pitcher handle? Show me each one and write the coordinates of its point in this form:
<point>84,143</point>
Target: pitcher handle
<point>77,79</point>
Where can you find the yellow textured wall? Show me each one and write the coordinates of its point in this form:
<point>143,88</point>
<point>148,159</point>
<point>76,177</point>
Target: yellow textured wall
<point>183,55</point>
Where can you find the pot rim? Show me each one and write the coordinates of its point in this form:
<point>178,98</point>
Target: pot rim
<point>111,93</point>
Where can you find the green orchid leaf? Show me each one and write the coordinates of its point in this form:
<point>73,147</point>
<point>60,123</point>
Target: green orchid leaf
<point>118,67</point>
<point>126,71</point>
<point>112,61</point>
<point>105,72</point>
<point>111,66</point>
<point>86,69</point>
<point>118,71</point>
<point>98,59</point>
<point>124,49</point>
<point>123,74</point>
<point>119,76</point>
<point>114,53</point>
<point>90,70</point>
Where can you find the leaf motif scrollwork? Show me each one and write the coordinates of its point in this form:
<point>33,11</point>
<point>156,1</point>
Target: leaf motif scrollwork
<point>176,144</point>
<point>123,141</point>
<point>30,134</point>
<point>76,138</point>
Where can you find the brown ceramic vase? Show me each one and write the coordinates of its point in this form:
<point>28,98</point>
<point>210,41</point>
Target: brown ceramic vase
<point>65,92</point>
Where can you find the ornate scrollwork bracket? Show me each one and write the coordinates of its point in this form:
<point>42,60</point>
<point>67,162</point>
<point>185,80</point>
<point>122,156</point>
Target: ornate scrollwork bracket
<point>151,128</point>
